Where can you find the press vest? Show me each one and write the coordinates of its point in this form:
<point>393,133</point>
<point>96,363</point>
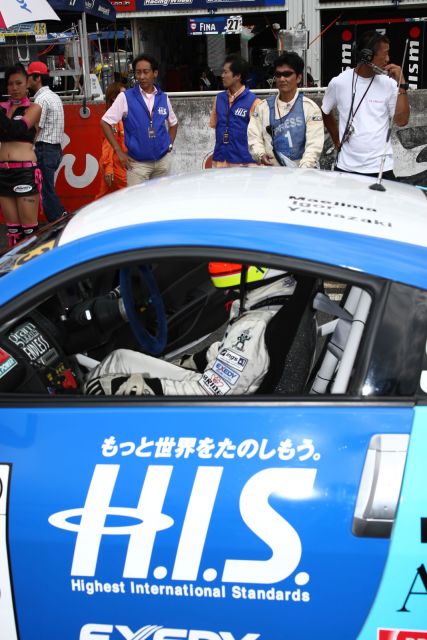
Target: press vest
<point>288,133</point>
<point>138,122</point>
<point>235,120</point>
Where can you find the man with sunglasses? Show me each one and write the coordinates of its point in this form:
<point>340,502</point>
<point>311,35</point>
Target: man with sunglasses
<point>287,129</point>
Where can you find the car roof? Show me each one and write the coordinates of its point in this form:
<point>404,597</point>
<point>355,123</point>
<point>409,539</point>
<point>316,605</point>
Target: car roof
<point>306,197</point>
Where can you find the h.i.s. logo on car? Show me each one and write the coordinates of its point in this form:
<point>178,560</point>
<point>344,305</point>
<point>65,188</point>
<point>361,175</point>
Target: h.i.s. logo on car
<point>140,527</point>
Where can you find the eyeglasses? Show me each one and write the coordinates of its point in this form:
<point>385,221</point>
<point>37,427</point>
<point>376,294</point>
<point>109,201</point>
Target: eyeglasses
<point>283,74</point>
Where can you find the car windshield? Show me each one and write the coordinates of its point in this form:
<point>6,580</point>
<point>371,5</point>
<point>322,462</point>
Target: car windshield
<point>44,240</point>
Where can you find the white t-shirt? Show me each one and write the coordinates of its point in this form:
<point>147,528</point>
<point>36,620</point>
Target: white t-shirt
<point>363,151</point>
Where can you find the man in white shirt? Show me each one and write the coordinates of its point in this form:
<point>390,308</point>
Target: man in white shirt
<point>149,122</point>
<point>48,145</point>
<point>368,98</point>
<point>287,129</point>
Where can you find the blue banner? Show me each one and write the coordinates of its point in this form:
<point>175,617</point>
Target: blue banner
<point>98,8</point>
<point>168,5</point>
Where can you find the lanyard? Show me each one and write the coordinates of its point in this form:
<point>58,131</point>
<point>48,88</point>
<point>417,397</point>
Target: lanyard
<point>226,135</point>
<point>353,87</point>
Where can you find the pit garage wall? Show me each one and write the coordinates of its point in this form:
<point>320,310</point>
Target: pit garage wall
<point>78,177</point>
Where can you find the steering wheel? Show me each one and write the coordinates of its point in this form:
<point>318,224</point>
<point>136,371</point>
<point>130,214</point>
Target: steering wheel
<point>152,344</point>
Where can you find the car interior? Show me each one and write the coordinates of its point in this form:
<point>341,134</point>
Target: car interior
<point>170,308</point>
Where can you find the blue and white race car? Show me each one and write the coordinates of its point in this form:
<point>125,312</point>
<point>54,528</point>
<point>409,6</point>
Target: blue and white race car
<point>296,511</point>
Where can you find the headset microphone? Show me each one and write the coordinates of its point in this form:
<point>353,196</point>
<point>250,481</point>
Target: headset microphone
<point>366,55</point>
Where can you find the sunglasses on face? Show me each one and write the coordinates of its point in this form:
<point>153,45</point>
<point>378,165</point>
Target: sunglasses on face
<point>283,74</point>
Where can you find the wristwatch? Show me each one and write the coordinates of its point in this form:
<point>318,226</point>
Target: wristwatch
<point>404,86</point>
<point>170,147</point>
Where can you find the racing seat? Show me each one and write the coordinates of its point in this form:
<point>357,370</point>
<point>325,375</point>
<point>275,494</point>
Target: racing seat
<point>290,339</point>
<point>345,332</point>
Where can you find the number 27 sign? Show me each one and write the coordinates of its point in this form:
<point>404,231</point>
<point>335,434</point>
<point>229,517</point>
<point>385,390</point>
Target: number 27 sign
<point>233,24</point>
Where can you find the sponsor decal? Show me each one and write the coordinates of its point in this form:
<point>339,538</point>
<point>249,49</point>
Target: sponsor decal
<point>241,112</point>
<point>22,188</point>
<point>107,632</point>
<point>225,372</point>
<point>103,10</point>
<point>346,49</point>
<point>7,362</point>
<point>419,583</point>
<point>210,449</point>
<point>213,383</point>
<point>23,5</point>
<point>414,58</point>
<point>423,530</point>
<point>242,339</point>
<point>32,343</point>
<point>400,634</point>
<point>33,253</point>
<point>233,359</point>
<point>162,111</point>
<point>183,573</point>
<point>417,589</point>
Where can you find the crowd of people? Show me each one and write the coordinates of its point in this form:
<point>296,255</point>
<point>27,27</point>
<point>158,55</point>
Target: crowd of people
<point>140,126</point>
<point>286,129</point>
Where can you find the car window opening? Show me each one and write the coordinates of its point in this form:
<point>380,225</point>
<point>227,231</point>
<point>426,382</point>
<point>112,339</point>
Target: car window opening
<point>174,328</point>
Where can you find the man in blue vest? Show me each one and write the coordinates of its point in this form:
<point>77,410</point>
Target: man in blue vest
<point>150,124</point>
<point>287,129</point>
<point>230,115</point>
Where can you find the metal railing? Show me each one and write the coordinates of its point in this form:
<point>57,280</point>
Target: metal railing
<point>259,92</point>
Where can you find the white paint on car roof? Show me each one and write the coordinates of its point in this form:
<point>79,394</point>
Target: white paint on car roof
<point>307,197</point>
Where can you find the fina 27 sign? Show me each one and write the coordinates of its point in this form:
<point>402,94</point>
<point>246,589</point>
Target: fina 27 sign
<point>217,25</point>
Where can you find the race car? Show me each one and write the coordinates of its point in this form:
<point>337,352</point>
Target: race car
<point>296,511</point>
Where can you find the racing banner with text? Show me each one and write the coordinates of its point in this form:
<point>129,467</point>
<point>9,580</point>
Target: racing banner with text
<point>338,46</point>
<point>215,25</point>
<point>168,5</point>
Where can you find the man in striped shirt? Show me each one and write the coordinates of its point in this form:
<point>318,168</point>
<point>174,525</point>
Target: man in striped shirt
<point>49,138</point>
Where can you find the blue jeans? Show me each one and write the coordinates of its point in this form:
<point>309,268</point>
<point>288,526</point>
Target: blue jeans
<point>49,158</point>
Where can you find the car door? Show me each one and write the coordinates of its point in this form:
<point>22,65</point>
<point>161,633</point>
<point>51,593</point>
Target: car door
<point>203,518</point>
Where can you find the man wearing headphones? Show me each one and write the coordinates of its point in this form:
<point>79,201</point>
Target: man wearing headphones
<point>367,99</point>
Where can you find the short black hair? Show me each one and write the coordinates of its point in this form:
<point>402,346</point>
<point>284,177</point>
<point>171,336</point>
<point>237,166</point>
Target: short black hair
<point>290,59</point>
<point>370,40</point>
<point>144,56</point>
<point>238,66</point>
<point>17,68</point>
<point>44,78</point>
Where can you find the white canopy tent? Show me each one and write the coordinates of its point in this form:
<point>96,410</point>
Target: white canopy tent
<point>13,12</point>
